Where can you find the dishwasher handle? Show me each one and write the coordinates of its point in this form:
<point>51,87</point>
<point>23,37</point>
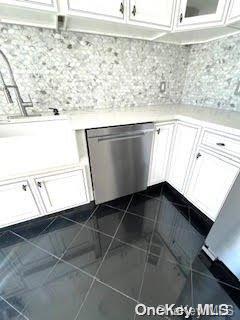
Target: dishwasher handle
<point>123,136</point>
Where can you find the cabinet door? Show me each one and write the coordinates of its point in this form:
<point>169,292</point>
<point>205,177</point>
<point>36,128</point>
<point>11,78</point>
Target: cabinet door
<point>210,182</point>
<point>160,153</point>
<point>195,13</point>
<point>153,12</point>
<point>106,8</point>
<point>17,203</point>
<point>63,190</point>
<point>234,11</point>
<point>34,4</point>
<point>183,147</point>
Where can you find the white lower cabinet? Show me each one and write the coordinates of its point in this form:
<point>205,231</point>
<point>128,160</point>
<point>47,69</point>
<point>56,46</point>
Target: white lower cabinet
<point>160,153</point>
<point>63,190</point>
<point>211,180</point>
<point>33,196</point>
<point>185,139</point>
<point>17,202</point>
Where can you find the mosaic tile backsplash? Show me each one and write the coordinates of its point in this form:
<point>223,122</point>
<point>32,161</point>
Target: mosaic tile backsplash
<point>213,74</point>
<point>74,71</point>
<point>82,71</point>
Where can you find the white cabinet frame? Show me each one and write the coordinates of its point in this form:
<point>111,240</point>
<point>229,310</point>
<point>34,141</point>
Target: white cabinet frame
<point>45,195</point>
<point>201,151</point>
<point>202,21</point>
<point>65,7</point>
<point>51,5</point>
<point>26,192</point>
<point>141,22</point>
<point>191,155</point>
<point>233,12</point>
<point>158,171</point>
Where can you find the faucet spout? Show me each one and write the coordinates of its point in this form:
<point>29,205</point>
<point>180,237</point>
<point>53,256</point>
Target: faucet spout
<point>22,104</point>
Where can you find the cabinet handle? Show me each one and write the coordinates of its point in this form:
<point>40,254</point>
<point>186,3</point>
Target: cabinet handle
<point>181,18</point>
<point>158,131</point>
<point>24,187</point>
<point>220,144</point>
<point>198,155</point>
<point>134,11</point>
<point>39,184</point>
<point>122,8</point>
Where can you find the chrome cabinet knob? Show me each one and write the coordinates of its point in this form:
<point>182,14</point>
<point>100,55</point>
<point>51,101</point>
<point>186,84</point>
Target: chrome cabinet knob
<point>122,8</point>
<point>134,11</point>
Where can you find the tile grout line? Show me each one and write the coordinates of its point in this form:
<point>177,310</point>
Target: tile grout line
<point>59,259</point>
<point>126,243</point>
<point>149,246</point>
<point>157,199</point>
<point>190,265</point>
<point>115,289</point>
<point>113,237</point>
<point>135,214</point>
<point>95,277</point>
<point>19,312</point>
<point>149,219</point>
<point>75,237</point>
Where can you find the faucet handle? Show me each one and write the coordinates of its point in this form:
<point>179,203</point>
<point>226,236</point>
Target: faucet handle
<point>55,111</point>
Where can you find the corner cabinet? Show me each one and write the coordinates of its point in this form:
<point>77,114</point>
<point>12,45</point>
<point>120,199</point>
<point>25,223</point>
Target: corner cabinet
<point>211,180</point>
<point>162,140</point>
<point>63,190</point>
<point>192,14</point>
<point>185,140</point>
<point>17,202</point>
<point>152,12</point>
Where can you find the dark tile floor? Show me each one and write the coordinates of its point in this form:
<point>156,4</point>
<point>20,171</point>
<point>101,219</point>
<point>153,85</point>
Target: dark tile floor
<point>98,262</point>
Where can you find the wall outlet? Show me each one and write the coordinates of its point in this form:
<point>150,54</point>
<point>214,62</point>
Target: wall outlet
<point>162,86</point>
<point>237,90</point>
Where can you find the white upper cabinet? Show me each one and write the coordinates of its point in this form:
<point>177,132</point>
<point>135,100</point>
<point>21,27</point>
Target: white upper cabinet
<point>17,202</point>
<point>194,14</point>
<point>37,13</point>
<point>185,137</point>
<point>210,182</point>
<point>152,13</point>
<point>107,9</point>
<point>234,12</point>
<point>110,17</point>
<point>62,190</point>
<point>160,153</point>
<point>33,4</point>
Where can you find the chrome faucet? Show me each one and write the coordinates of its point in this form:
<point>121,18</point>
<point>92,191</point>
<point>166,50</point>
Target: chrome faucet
<point>23,105</point>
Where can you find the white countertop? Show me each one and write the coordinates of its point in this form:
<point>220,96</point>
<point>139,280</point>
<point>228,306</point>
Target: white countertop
<point>85,120</point>
<point>100,118</point>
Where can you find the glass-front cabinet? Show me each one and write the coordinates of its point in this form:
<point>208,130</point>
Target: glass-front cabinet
<point>201,13</point>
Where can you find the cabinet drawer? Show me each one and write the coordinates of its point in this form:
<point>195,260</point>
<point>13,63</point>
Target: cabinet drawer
<point>224,143</point>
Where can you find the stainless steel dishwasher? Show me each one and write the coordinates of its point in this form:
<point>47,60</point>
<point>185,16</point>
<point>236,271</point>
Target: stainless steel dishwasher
<point>119,159</point>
